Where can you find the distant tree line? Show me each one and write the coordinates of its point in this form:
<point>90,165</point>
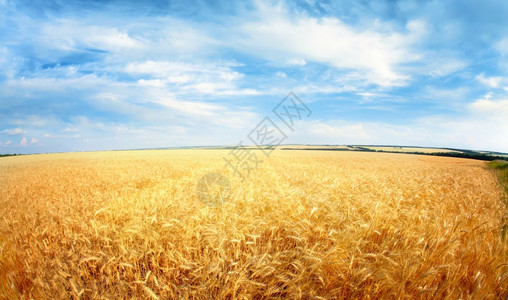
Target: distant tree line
<point>463,154</point>
<point>13,154</point>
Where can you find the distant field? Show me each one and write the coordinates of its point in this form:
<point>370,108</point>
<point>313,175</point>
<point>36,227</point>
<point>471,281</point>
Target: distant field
<point>411,149</point>
<point>495,153</point>
<point>315,147</point>
<point>460,153</point>
<point>304,224</point>
<point>375,148</point>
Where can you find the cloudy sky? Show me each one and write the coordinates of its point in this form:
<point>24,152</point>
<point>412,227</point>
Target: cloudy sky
<point>93,75</point>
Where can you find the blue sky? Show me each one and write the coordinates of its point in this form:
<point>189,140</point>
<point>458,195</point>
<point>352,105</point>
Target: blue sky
<point>100,75</point>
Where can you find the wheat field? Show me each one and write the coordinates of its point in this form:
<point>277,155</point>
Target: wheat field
<point>304,224</point>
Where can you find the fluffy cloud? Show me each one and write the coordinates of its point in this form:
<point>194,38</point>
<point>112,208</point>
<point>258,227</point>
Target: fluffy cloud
<point>23,142</point>
<point>502,46</point>
<point>492,82</point>
<point>13,131</point>
<point>375,52</point>
<point>71,35</point>
<point>190,78</point>
<point>491,109</point>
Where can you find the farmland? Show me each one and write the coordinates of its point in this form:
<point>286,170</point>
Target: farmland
<point>304,224</point>
<point>448,152</point>
<point>410,149</point>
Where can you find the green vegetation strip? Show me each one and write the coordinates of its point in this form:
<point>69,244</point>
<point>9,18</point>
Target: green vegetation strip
<point>500,167</point>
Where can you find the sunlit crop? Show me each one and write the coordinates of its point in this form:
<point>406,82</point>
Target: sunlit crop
<point>304,224</point>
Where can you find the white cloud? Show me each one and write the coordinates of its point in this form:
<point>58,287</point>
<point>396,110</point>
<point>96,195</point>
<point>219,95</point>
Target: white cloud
<point>297,62</point>
<point>159,38</point>
<point>375,52</point>
<point>66,34</point>
<point>502,46</point>
<point>348,132</point>
<point>9,62</point>
<point>440,64</point>
<point>491,109</point>
<point>210,79</point>
<point>151,83</point>
<point>200,112</point>
<point>49,135</point>
<point>178,72</point>
<point>13,131</point>
<point>70,129</point>
<point>190,108</point>
<point>446,96</point>
<point>23,142</point>
<point>109,38</point>
<point>483,126</point>
<point>368,97</point>
<point>53,83</point>
<point>34,141</point>
<point>492,82</point>
<point>339,130</point>
<point>424,60</point>
<point>281,74</point>
<point>35,121</point>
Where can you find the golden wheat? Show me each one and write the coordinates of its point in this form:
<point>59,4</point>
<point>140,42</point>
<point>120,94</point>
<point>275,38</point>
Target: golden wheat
<point>305,224</point>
